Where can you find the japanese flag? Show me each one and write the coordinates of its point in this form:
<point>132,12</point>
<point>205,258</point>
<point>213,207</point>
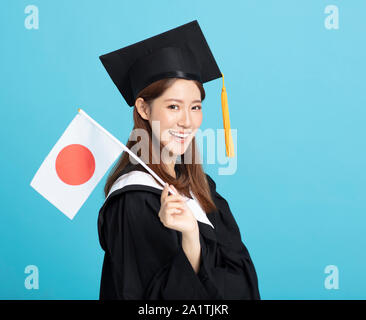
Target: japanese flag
<point>76,164</point>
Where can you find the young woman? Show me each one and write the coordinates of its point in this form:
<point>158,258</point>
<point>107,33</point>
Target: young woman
<point>156,245</point>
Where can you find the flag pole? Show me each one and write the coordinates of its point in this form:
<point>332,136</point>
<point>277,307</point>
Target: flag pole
<point>82,112</point>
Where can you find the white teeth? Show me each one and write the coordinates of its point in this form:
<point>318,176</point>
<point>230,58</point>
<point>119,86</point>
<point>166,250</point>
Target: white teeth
<point>179,135</point>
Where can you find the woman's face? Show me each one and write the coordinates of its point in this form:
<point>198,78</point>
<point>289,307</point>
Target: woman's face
<point>178,111</point>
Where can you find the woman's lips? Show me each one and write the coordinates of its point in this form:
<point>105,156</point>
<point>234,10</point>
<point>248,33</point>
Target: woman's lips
<point>179,137</point>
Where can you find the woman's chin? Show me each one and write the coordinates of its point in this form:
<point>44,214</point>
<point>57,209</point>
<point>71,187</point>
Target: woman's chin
<point>177,151</point>
<point>177,148</point>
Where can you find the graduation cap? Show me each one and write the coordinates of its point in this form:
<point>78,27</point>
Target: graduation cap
<point>181,52</point>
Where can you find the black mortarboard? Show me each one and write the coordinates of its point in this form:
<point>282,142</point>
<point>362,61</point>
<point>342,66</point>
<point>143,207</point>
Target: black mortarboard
<point>181,52</point>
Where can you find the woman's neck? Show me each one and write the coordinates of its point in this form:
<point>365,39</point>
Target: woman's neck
<point>171,169</point>
<point>168,162</point>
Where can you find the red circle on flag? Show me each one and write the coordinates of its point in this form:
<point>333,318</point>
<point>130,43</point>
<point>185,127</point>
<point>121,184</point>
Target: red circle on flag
<point>75,164</point>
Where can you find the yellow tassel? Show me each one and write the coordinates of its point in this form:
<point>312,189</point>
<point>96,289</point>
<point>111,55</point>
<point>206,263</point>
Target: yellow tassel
<point>225,115</point>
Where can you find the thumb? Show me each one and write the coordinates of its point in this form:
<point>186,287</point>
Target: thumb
<point>164,194</point>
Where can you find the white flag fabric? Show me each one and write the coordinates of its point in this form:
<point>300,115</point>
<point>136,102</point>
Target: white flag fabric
<point>76,164</point>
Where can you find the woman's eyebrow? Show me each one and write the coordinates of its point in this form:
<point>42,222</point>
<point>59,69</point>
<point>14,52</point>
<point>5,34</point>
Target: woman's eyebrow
<point>172,99</point>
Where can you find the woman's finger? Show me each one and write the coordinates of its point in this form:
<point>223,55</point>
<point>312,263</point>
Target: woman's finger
<point>171,211</point>
<point>179,205</point>
<point>175,198</point>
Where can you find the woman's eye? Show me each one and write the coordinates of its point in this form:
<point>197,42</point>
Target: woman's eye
<point>176,107</point>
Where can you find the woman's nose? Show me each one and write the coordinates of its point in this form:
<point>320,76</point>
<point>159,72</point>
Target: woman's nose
<point>185,119</point>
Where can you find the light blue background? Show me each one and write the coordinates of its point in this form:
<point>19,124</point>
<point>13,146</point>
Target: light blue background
<point>296,96</point>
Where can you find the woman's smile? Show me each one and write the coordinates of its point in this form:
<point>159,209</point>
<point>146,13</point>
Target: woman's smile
<point>180,136</point>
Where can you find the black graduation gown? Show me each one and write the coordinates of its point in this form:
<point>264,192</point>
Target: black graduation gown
<point>145,260</point>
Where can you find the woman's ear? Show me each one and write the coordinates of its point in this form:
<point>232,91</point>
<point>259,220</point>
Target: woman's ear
<point>142,108</point>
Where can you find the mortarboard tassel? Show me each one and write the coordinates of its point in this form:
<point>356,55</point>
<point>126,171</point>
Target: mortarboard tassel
<point>225,115</point>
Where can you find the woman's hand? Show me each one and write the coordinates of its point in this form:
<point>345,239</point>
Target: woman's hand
<point>175,214</point>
